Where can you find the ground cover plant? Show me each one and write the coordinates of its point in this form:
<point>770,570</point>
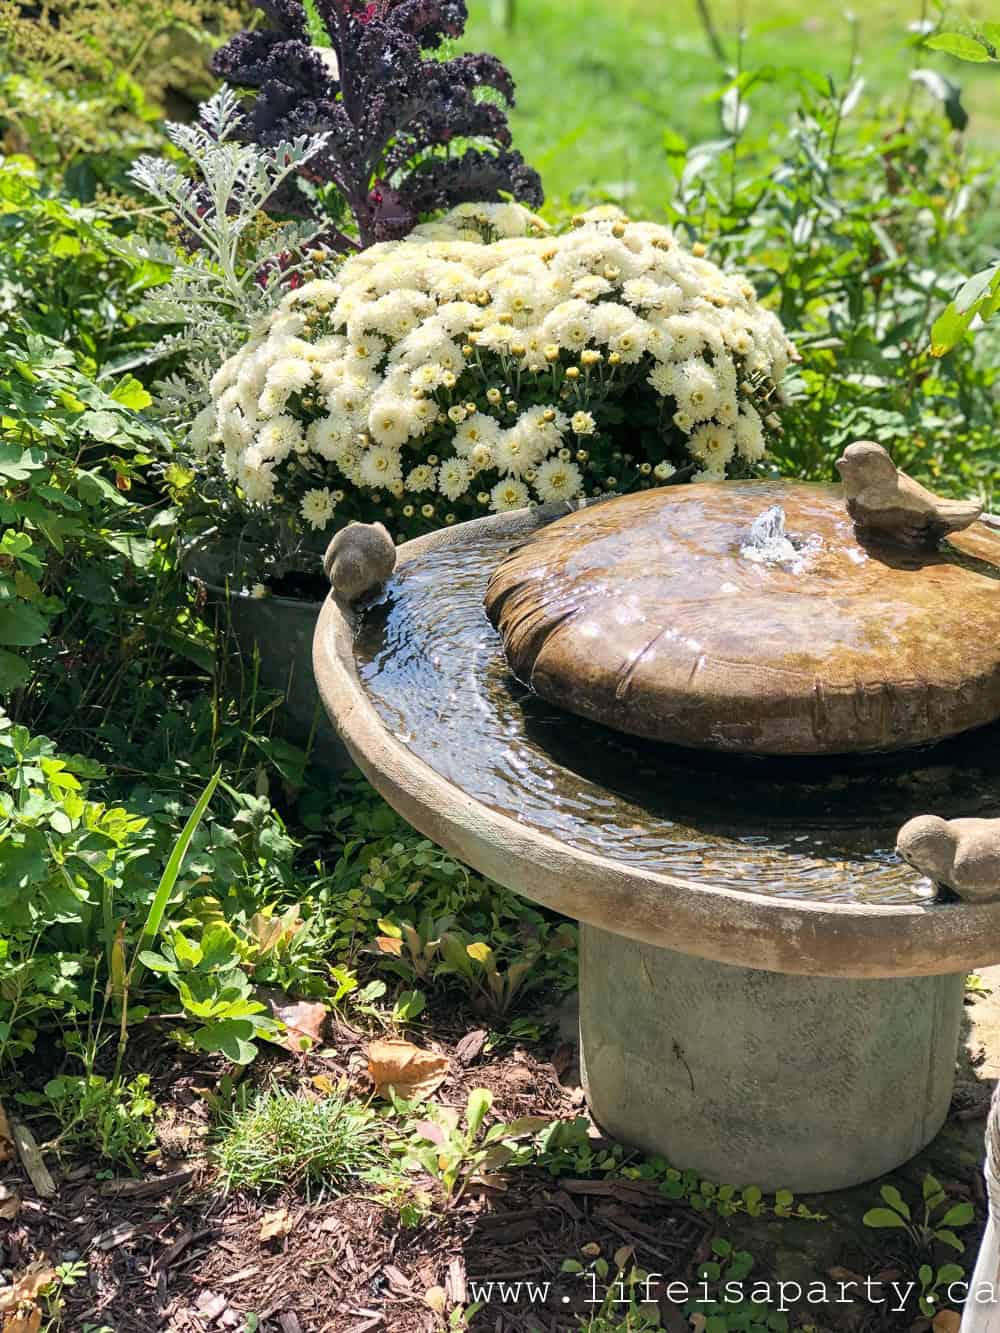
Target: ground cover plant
<point>204,937</point>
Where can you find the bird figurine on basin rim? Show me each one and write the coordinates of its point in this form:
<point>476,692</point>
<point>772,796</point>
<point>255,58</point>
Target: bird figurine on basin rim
<point>887,505</point>
<point>358,561</point>
<point>962,855</point>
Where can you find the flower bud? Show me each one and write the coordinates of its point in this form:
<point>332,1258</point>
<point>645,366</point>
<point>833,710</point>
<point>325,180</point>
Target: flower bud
<point>699,250</point>
<point>551,352</point>
<point>572,372</point>
<point>614,359</point>
<point>548,415</point>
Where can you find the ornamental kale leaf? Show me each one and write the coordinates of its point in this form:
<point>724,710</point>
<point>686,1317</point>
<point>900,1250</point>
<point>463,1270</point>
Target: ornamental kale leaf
<point>407,134</point>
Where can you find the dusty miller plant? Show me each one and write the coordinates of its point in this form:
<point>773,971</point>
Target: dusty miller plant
<point>231,265</point>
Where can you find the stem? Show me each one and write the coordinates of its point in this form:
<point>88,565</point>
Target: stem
<point>711,31</point>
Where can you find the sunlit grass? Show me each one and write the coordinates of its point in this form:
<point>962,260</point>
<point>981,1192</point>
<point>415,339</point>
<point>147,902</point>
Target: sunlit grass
<point>599,81</point>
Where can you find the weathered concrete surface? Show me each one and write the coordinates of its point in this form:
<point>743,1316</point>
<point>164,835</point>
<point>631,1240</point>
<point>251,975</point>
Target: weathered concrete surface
<point>760,1078</point>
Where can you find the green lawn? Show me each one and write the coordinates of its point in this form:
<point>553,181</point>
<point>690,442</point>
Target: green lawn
<point>599,80</point>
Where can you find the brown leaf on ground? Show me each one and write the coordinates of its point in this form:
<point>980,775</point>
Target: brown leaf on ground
<point>304,1020</point>
<point>10,1204</point>
<point>276,1225</point>
<point>25,1321</point>
<point>471,1046</point>
<point>413,1072</point>
<point>946,1321</point>
<point>6,1137</point>
<point>437,1299</point>
<point>23,1292</point>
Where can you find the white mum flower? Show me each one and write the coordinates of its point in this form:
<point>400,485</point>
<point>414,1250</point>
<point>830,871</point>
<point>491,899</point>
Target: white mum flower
<point>713,445</point>
<point>749,430</point>
<point>317,507</point>
<point>557,480</point>
<point>391,421</point>
<point>288,375</point>
<point>454,476</point>
<point>257,483</point>
<point>329,437</point>
<point>508,494</point>
<point>380,466</point>
<point>279,437</point>
<point>697,391</point>
<point>475,430</point>
<point>481,458</point>
<point>582,423</point>
<point>204,429</point>
<point>423,477</point>
<point>664,470</point>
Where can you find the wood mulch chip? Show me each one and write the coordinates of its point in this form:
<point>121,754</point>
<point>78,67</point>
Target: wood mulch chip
<point>170,1252</point>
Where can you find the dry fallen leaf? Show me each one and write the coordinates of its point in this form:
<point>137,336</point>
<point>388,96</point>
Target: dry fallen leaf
<point>35,1278</point>
<point>276,1225</point>
<point>27,1320</point>
<point>437,1299</point>
<point>414,1073</point>
<point>946,1321</point>
<point>591,1249</point>
<point>10,1204</point>
<point>6,1137</point>
<point>304,1020</point>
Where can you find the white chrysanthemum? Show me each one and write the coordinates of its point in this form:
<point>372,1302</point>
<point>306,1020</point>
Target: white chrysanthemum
<point>664,470</point>
<point>427,377</point>
<point>697,390</point>
<point>391,421</point>
<point>582,423</point>
<point>481,458</point>
<point>257,483</point>
<point>329,437</point>
<point>380,466</point>
<point>749,430</point>
<point>569,325</point>
<point>516,451</point>
<point>279,437</point>
<point>204,429</point>
<point>423,477</point>
<point>454,476</point>
<point>558,480</point>
<point>425,412</point>
<point>317,507</point>
<point>288,375</point>
<point>508,494</point>
<point>475,430</point>
<point>712,445</point>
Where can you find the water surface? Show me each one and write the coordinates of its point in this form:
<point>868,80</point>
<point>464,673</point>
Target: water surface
<point>822,829</point>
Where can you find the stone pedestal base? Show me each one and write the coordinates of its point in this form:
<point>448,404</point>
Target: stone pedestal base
<point>762,1078</point>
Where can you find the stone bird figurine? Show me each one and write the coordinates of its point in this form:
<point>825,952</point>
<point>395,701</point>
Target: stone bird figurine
<point>358,561</point>
<point>887,505</point>
<point>962,855</point>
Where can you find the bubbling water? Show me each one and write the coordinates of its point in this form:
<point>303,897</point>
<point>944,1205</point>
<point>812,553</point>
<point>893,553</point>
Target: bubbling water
<point>768,543</point>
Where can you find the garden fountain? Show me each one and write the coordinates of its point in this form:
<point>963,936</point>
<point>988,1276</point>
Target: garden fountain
<point>729,717</point>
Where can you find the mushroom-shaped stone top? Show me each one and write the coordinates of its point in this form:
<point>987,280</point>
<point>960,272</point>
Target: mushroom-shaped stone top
<point>662,614</point>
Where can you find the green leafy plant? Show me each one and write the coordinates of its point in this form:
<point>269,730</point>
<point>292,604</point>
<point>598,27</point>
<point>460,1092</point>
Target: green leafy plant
<point>932,1280</point>
<point>318,1146</point>
<point>935,1221</point>
<point>494,986</point>
<point>412,951</point>
<point>214,989</point>
<point>722,1314</point>
<point>454,1155</point>
<point>111,1117</point>
<point>854,223</point>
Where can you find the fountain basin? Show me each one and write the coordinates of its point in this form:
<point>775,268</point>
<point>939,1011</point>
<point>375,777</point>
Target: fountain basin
<point>817,1037</point>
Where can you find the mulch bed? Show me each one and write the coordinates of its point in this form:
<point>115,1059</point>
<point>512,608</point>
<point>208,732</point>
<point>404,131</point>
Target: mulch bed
<point>170,1251</point>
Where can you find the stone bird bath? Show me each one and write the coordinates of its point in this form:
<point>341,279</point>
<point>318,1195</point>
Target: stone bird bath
<point>767,994</point>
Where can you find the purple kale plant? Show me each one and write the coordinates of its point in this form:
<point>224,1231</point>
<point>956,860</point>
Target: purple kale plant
<point>408,134</point>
